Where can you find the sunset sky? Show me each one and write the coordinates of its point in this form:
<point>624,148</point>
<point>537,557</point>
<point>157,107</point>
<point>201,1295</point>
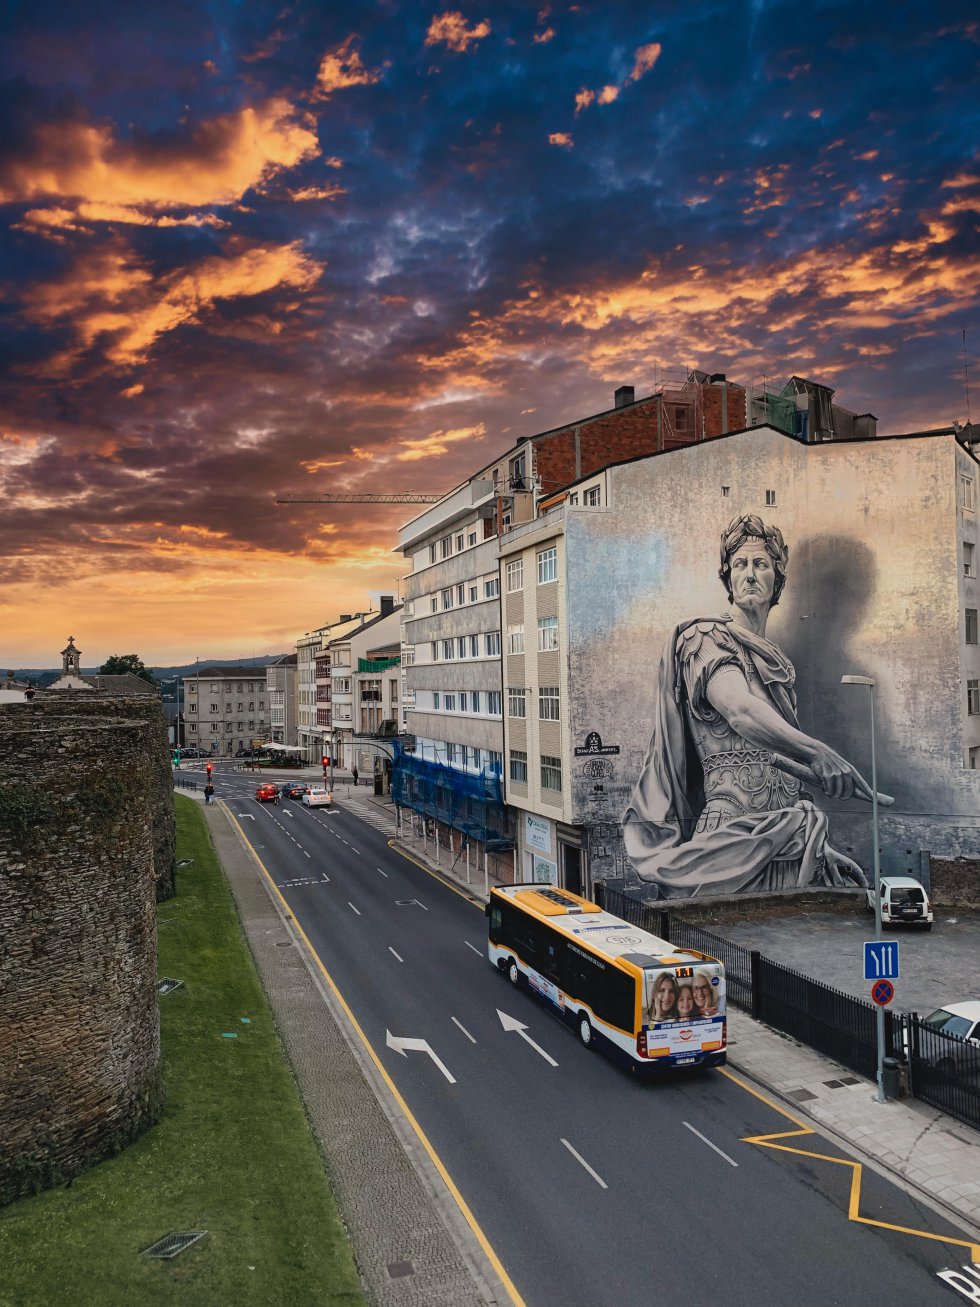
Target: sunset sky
<point>257,249</point>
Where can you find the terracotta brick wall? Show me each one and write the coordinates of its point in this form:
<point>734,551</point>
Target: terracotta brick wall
<point>79,1023</point>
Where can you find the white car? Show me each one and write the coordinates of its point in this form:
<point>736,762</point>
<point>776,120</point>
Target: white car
<point>903,901</point>
<point>961,1019</point>
<point>950,1058</point>
<point>318,796</point>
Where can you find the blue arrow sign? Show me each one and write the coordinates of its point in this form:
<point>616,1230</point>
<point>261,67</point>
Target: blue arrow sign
<point>881,959</point>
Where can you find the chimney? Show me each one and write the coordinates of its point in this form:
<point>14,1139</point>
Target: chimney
<point>387,605</point>
<point>624,395</point>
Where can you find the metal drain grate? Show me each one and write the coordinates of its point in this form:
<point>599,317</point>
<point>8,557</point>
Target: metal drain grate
<point>172,1244</point>
<point>166,985</point>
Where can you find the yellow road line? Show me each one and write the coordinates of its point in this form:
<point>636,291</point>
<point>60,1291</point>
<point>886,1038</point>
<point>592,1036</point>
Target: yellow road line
<point>434,874</point>
<point>468,1216</point>
<point>857,1169</point>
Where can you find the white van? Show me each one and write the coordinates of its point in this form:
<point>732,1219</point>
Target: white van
<point>903,902</point>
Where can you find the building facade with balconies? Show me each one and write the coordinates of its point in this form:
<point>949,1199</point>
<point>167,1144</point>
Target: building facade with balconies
<point>226,709</point>
<point>281,683</point>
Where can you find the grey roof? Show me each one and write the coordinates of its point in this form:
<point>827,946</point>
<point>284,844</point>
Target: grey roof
<point>127,683</point>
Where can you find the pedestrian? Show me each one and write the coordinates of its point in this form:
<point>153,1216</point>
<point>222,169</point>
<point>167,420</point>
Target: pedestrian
<point>209,793</point>
<point>353,772</point>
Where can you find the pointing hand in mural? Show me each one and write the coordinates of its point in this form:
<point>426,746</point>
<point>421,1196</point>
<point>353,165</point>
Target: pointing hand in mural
<point>719,805</point>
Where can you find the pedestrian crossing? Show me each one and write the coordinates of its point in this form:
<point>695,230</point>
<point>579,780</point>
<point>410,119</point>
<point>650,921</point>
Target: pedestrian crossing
<point>367,811</point>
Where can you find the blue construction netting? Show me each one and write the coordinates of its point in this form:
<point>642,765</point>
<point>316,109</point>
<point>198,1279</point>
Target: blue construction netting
<point>467,802</point>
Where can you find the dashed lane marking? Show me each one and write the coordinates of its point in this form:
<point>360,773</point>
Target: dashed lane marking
<point>394,954</point>
<point>581,1160</point>
<point>464,1030</point>
<point>478,952</point>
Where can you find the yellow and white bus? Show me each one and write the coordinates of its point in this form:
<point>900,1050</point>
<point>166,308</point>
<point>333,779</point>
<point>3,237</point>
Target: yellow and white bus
<point>645,1003</point>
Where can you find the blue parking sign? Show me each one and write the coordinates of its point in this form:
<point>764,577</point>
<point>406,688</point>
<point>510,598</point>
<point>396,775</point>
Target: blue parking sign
<point>881,959</point>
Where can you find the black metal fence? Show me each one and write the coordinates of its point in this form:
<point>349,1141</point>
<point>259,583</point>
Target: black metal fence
<point>942,1070</point>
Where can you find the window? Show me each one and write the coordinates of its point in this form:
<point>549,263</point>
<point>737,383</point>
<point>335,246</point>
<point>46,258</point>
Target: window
<point>461,595</point>
<point>240,707</point>
<point>494,703</point>
<point>435,700</point>
<point>474,646</point>
<point>475,700</point>
<point>515,639</point>
<point>592,498</point>
<point>770,498</point>
<point>972,698</point>
<point>461,646</point>
<point>474,592</point>
<point>548,703</point>
<point>477,761</point>
<point>491,588</point>
<point>518,766</point>
<point>724,492</point>
<point>432,553</point>
<point>550,773</point>
<point>547,565</point>
<point>971,626</point>
<point>446,546</point>
<point>682,416</point>
<point>449,702</point>
<point>969,559</point>
<point>515,575</point>
<point>967,497</point>
<point>214,728</point>
<point>471,539</point>
<point>547,634</point>
<point>516,702</point>
<point>450,753</point>
<point>495,761</point>
<point>492,639</point>
<point>435,651</point>
<point>214,707</point>
<point>434,604</point>
<point>573,498</point>
<point>517,472</point>
<point>447,599</point>
<point>448,649</point>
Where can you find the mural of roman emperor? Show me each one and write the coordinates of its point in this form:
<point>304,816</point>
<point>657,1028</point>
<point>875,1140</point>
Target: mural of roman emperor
<point>720,806</point>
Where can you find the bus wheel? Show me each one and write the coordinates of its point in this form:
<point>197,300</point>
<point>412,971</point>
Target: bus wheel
<point>513,973</point>
<point>585,1030</point>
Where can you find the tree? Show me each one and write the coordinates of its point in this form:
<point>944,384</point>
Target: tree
<point>120,664</point>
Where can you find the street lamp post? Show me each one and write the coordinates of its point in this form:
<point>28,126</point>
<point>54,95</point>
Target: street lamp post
<point>880,1011</point>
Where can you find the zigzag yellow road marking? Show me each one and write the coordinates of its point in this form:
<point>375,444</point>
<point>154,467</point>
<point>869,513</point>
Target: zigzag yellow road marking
<point>857,1169</point>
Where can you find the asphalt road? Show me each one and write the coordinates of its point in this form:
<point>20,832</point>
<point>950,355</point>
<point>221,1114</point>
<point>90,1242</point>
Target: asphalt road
<point>593,1188</point>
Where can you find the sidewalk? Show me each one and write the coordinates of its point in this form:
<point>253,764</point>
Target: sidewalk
<point>929,1152</point>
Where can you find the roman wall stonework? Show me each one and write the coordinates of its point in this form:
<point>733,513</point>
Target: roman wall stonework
<point>80,836</point>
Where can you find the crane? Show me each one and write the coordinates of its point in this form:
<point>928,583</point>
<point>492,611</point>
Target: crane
<point>407,498</point>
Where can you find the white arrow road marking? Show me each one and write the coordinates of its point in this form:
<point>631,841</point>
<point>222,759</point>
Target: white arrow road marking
<point>249,815</point>
<point>394,954</point>
<point>579,1158</point>
<point>419,1045</point>
<point>464,1030</point>
<point>477,951</point>
<point>511,1023</point>
<point>710,1144</point>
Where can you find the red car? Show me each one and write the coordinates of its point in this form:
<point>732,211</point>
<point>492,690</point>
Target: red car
<point>266,794</point>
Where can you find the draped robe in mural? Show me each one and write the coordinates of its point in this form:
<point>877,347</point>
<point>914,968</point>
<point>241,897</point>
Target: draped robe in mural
<point>710,811</point>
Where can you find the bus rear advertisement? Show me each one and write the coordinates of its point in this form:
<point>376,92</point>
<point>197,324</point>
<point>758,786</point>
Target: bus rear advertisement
<point>645,1003</point>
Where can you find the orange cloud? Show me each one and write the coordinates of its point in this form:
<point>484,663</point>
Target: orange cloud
<point>450,29</point>
<point>646,56</point>
<point>607,94</point>
<point>438,442</point>
<point>583,99</point>
<point>317,193</point>
<point>541,37</point>
<point>561,138</point>
<point>109,295</point>
<point>342,68</point>
<point>221,160</point>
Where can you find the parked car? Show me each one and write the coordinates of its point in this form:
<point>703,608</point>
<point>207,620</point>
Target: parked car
<point>293,790</point>
<point>317,796</point>
<point>267,793</point>
<point>956,1058</point>
<point>903,901</point>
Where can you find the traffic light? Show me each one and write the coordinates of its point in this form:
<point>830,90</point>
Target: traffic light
<point>326,761</point>
<point>209,769</point>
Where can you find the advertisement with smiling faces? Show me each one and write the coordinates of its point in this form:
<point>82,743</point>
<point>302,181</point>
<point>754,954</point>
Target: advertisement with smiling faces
<point>685,1009</point>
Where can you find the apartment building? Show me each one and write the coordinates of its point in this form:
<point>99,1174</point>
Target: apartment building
<point>282,684</point>
<point>308,733</point>
<point>226,709</point>
<point>881,582</point>
<point>454,636</point>
<point>341,682</point>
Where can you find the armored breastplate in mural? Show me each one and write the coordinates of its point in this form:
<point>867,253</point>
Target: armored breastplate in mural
<point>743,782</point>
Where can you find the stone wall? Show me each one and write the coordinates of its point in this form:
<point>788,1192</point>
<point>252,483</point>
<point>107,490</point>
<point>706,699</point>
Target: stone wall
<point>955,882</point>
<point>79,1022</point>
